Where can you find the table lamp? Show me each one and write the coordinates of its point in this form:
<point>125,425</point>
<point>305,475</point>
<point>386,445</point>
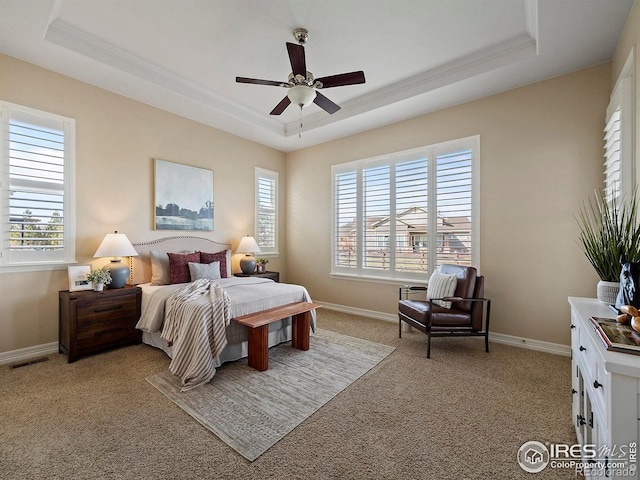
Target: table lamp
<point>116,245</point>
<point>249,246</point>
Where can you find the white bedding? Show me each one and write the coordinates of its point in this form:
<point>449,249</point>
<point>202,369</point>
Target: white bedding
<point>246,295</point>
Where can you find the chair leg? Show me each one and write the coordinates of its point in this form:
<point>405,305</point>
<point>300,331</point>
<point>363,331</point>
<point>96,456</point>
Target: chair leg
<point>399,327</point>
<point>486,342</point>
<point>428,345</point>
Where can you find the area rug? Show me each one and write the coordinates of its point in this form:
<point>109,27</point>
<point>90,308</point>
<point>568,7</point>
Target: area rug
<point>251,410</point>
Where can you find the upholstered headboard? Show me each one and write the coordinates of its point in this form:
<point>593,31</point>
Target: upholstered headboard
<point>141,265</point>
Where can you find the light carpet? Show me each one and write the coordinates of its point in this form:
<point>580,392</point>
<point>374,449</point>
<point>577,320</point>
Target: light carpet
<point>251,411</point>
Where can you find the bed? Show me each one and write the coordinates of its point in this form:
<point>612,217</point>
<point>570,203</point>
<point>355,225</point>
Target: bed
<point>151,271</point>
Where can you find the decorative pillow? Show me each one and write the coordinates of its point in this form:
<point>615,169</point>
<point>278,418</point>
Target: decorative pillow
<point>179,266</point>
<point>222,257</point>
<point>159,268</point>
<point>210,271</point>
<point>441,285</point>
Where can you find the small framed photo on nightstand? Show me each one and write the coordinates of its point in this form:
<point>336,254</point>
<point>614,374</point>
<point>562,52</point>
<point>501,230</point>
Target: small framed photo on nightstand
<point>78,277</point>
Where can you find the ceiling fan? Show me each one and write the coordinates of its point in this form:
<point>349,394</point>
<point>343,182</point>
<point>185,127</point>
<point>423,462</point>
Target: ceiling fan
<point>303,87</point>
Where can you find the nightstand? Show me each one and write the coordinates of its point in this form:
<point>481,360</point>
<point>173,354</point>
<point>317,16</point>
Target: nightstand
<point>94,321</point>
<point>275,276</point>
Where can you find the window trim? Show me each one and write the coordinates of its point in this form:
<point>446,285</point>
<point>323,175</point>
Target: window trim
<point>271,174</point>
<point>69,256</point>
<point>469,143</point>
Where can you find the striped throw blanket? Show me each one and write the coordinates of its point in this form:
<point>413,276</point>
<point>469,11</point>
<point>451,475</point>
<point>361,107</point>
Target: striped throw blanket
<point>195,323</point>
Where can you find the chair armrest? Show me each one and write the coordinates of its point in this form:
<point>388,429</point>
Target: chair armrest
<point>460,299</point>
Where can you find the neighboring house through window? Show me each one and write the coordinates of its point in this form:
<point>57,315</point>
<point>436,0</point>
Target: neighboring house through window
<point>38,192</point>
<point>400,216</point>
<point>267,211</point>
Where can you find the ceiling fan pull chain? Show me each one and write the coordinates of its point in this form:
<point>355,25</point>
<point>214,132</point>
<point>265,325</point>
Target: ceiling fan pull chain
<point>300,132</point>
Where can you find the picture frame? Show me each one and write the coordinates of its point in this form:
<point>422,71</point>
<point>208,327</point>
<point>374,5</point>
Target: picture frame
<point>78,277</point>
<point>183,197</point>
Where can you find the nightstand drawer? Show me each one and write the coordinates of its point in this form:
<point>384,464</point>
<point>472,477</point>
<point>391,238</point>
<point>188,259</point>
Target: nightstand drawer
<point>104,331</point>
<point>105,309</point>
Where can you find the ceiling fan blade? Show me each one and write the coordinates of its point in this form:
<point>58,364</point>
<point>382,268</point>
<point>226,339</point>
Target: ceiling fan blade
<point>325,104</point>
<point>351,78</point>
<point>281,106</point>
<point>259,82</point>
<point>296,57</point>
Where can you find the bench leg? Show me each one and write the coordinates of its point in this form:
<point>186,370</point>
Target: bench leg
<point>300,331</point>
<point>258,357</point>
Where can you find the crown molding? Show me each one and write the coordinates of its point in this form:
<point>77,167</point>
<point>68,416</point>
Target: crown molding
<point>83,43</point>
<point>491,58</point>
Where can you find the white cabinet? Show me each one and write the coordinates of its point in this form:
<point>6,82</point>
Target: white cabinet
<point>606,391</point>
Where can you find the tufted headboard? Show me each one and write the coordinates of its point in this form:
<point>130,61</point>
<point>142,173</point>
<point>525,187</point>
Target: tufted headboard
<point>141,265</point>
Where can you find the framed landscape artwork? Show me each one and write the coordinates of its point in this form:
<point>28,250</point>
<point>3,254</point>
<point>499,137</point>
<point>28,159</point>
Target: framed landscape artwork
<point>183,197</point>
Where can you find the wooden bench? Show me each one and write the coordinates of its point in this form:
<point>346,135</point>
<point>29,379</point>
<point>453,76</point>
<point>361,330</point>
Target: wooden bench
<point>258,324</point>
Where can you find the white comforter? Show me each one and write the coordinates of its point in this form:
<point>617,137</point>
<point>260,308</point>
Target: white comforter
<point>246,295</point>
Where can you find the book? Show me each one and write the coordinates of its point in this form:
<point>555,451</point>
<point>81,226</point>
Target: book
<point>616,336</point>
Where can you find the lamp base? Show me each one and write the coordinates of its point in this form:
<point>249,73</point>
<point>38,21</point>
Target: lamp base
<point>119,273</point>
<point>248,264</point>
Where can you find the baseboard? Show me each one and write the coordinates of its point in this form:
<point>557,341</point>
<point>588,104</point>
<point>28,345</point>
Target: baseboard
<point>22,354</point>
<point>539,345</point>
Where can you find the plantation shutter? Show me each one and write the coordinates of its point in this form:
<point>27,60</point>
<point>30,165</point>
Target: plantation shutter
<point>375,222</point>
<point>345,198</point>
<point>618,163</point>
<point>612,157</point>
<point>454,190</point>
<point>267,210</point>
<point>36,162</point>
<point>411,216</point>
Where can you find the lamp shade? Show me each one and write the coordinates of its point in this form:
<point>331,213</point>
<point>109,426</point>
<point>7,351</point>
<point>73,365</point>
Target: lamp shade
<point>248,244</point>
<point>301,95</point>
<point>116,245</point>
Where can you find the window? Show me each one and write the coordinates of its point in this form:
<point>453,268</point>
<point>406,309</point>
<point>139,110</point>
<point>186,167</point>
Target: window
<point>267,211</point>
<point>37,202</point>
<point>400,216</point>
<point>618,165</point>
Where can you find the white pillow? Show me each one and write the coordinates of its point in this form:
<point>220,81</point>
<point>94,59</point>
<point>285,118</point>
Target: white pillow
<point>160,273</point>
<point>210,271</point>
<point>441,285</point>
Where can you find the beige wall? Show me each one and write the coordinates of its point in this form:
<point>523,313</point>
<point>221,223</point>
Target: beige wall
<point>541,155</point>
<point>117,139</point>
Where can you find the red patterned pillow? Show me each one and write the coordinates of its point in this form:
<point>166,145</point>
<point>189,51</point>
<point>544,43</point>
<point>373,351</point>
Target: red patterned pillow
<point>179,266</point>
<point>216,257</point>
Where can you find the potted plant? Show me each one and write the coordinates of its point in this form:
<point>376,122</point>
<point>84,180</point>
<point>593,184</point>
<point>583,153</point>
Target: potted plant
<point>99,278</point>
<point>609,236</point>
<point>261,265</point>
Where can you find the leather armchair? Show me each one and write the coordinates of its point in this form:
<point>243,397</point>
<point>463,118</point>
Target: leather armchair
<point>464,318</point>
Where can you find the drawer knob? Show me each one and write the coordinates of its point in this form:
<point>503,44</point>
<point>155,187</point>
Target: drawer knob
<point>597,384</point>
<point>582,349</point>
<point>572,326</point>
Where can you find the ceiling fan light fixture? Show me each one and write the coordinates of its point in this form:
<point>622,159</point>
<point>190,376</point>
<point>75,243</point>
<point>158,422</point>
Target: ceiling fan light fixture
<point>301,95</point>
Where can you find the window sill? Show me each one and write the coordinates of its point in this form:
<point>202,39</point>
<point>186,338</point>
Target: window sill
<point>40,267</point>
<point>369,279</point>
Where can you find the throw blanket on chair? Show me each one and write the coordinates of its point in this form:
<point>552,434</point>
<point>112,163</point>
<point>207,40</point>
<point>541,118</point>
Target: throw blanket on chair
<point>195,323</point>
